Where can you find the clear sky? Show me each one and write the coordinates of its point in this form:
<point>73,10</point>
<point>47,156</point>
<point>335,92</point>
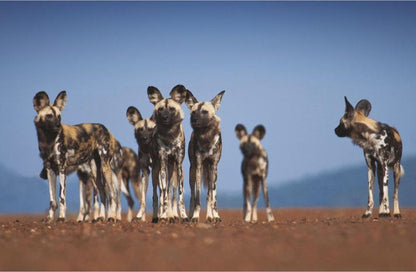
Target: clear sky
<point>286,65</point>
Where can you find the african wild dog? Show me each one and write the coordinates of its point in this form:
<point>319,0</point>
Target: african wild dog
<point>168,150</point>
<point>64,148</point>
<point>144,131</point>
<point>254,168</point>
<point>382,147</point>
<point>204,153</point>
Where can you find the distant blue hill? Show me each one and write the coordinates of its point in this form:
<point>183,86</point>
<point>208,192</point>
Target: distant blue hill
<point>339,188</point>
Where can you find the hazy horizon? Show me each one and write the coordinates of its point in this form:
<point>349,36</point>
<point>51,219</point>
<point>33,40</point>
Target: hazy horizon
<point>286,65</point>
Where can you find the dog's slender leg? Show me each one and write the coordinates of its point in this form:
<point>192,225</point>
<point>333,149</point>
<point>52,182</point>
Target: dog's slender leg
<point>82,196</point>
<point>125,189</point>
<point>102,200</point>
<point>269,212</point>
<point>52,193</point>
<point>141,193</point>
<point>192,183</point>
<point>256,191</point>
<point>163,189</point>
<point>371,178</point>
<point>116,180</point>
<point>198,176</point>
<point>397,172</point>
<point>88,189</point>
<point>383,175</point>
<point>98,190</point>
<point>155,184</point>
<point>209,215</point>
<point>180,178</point>
<point>109,191</point>
<point>212,175</point>
<point>172,184</point>
<point>214,193</point>
<point>62,195</point>
<point>248,184</point>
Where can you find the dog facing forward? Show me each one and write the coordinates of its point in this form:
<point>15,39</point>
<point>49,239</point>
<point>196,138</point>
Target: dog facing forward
<point>64,148</point>
<point>382,147</point>
<point>204,154</point>
<point>254,169</point>
<point>168,150</point>
<point>144,132</point>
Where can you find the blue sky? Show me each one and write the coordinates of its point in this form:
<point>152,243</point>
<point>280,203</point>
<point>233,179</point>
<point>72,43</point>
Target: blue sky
<point>286,65</point>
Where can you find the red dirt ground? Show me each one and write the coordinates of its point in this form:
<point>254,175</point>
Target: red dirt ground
<point>300,239</point>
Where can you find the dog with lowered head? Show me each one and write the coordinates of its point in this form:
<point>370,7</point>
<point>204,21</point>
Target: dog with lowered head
<point>382,147</point>
<point>204,153</point>
<point>254,169</point>
<point>168,150</point>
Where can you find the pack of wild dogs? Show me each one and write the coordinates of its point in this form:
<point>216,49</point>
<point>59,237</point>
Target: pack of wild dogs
<point>105,168</point>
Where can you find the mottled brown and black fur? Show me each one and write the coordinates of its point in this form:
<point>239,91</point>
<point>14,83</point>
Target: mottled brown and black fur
<point>168,150</point>
<point>144,131</point>
<point>254,168</point>
<point>204,153</point>
<point>382,147</point>
<point>64,148</point>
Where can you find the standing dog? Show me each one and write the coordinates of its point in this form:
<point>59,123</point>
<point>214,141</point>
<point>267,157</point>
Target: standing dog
<point>64,148</point>
<point>254,168</point>
<point>382,147</point>
<point>144,131</point>
<point>204,154</point>
<point>168,149</point>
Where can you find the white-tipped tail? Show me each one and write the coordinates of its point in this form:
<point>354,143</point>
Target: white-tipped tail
<point>401,170</point>
<point>124,189</point>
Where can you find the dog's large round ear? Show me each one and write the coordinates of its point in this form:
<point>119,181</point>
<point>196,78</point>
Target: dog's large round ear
<point>178,93</point>
<point>363,106</point>
<point>60,100</point>
<point>259,131</point>
<point>154,95</point>
<point>133,115</point>
<point>40,101</point>
<point>190,99</point>
<point>240,131</point>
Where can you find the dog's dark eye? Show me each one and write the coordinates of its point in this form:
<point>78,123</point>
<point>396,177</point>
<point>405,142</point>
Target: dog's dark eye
<point>59,118</point>
<point>49,116</point>
<point>171,108</point>
<point>204,112</point>
<point>160,109</point>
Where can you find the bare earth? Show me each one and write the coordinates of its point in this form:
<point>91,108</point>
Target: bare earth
<point>300,239</point>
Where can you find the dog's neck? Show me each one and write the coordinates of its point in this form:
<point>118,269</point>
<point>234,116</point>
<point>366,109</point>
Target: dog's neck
<point>169,133</point>
<point>207,134</point>
<point>47,140</point>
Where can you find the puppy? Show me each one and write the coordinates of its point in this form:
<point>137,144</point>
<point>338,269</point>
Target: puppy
<point>254,169</point>
<point>204,153</point>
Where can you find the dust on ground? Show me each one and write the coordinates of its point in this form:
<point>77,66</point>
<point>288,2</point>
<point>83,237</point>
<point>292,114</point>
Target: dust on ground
<point>300,239</point>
